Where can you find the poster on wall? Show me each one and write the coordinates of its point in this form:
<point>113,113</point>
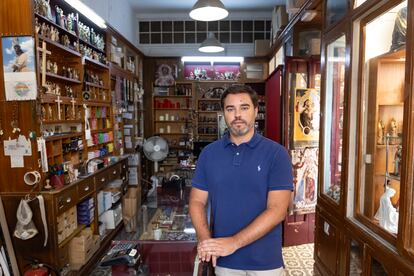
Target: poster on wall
<point>306,117</point>
<point>165,74</point>
<point>19,68</point>
<point>305,179</point>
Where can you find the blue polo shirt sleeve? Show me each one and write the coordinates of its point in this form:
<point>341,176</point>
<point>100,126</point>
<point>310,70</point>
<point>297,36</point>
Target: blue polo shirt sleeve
<point>199,179</point>
<point>280,174</point>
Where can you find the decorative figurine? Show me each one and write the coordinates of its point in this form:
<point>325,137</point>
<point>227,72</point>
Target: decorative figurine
<point>380,135</point>
<point>397,161</point>
<point>393,128</point>
<point>387,214</point>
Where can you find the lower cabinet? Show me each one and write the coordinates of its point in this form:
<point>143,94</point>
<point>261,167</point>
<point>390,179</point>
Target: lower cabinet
<point>327,246</point>
<point>299,229</point>
<point>73,232</point>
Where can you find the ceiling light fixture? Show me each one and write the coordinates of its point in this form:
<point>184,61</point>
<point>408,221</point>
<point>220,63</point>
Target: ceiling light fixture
<point>208,10</point>
<point>211,44</point>
<point>87,12</point>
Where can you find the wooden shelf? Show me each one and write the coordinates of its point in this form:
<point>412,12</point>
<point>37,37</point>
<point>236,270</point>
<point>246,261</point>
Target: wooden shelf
<point>63,136</point>
<point>172,96</point>
<point>209,111</point>
<point>50,98</point>
<point>96,85</point>
<point>171,133</point>
<point>97,103</point>
<point>173,122</point>
<point>172,109</point>
<point>207,123</point>
<point>101,130</point>
<point>41,17</point>
<point>92,46</point>
<point>60,46</point>
<point>211,99</point>
<point>49,122</point>
<point>59,77</point>
<point>96,63</point>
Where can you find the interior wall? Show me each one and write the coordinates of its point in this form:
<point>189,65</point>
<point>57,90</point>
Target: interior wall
<point>118,14</point>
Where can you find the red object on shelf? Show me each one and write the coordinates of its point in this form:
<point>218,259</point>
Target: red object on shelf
<point>37,271</point>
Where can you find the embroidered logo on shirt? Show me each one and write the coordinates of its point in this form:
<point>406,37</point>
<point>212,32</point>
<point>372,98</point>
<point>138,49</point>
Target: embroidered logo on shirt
<point>258,168</point>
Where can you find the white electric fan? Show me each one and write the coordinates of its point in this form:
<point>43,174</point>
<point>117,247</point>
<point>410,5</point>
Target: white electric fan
<point>156,149</point>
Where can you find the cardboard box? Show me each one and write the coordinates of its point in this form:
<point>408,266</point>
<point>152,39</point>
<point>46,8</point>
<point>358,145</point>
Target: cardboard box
<point>81,248</point>
<point>131,204</point>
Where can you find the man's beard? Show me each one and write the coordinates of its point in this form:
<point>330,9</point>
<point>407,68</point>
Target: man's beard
<point>239,131</point>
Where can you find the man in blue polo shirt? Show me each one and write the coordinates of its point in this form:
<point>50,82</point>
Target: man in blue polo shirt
<point>247,179</point>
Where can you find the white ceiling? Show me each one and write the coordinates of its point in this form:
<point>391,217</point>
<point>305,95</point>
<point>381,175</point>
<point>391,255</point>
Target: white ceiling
<point>167,6</point>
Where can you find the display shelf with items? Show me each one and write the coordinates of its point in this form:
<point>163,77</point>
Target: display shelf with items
<point>208,105</point>
<point>384,120</point>
<point>173,110</point>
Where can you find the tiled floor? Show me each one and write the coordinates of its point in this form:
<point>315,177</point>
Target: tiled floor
<point>299,260</point>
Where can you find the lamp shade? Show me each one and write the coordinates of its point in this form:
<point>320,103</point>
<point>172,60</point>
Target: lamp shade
<point>211,45</point>
<point>208,10</point>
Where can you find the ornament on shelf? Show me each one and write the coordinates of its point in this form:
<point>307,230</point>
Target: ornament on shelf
<point>397,161</point>
<point>381,130</point>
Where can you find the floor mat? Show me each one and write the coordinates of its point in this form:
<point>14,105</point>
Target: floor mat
<point>298,260</point>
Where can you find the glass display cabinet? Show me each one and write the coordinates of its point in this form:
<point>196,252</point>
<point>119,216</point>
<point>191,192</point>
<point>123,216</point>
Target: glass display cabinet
<point>380,120</point>
<point>333,117</point>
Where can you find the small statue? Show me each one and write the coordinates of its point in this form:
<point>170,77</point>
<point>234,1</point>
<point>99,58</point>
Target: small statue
<point>397,161</point>
<point>387,214</point>
<point>380,135</point>
<point>393,128</point>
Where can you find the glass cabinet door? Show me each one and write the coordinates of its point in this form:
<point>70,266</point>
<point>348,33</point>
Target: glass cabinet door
<point>379,131</point>
<point>333,118</point>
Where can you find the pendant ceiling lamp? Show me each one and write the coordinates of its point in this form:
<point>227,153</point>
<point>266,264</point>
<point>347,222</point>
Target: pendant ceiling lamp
<point>208,10</point>
<point>211,45</point>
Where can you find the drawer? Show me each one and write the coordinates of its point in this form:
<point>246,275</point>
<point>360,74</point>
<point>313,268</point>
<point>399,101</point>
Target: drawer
<point>101,179</point>
<point>114,172</point>
<point>85,188</point>
<point>63,255</point>
<point>66,199</point>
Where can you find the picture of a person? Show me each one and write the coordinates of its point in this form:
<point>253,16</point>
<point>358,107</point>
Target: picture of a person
<point>306,116</point>
<point>20,62</point>
<point>164,76</point>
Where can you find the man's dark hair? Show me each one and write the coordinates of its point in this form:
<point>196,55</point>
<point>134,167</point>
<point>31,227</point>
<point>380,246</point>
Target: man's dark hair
<point>240,89</point>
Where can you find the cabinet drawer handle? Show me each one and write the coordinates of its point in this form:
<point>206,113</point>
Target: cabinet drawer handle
<point>68,200</point>
<point>114,172</point>
<point>103,179</point>
<point>123,166</point>
<point>123,178</point>
<point>86,188</point>
<point>296,230</point>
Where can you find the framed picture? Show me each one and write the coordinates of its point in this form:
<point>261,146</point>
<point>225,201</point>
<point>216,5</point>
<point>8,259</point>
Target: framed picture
<point>305,179</point>
<point>165,74</point>
<point>19,68</point>
<point>306,117</point>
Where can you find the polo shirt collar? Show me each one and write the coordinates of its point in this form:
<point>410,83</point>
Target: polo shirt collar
<point>252,143</point>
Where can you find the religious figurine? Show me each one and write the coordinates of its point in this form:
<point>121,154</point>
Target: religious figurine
<point>55,68</point>
<point>397,161</point>
<point>48,10</point>
<point>387,214</point>
<point>64,71</point>
<point>50,112</point>
<point>393,128</point>
<point>38,26</point>
<point>48,66</point>
<point>380,132</point>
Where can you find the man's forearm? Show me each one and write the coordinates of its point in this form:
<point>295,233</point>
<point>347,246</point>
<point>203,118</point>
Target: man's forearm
<point>199,220</point>
<point>264,223</point>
